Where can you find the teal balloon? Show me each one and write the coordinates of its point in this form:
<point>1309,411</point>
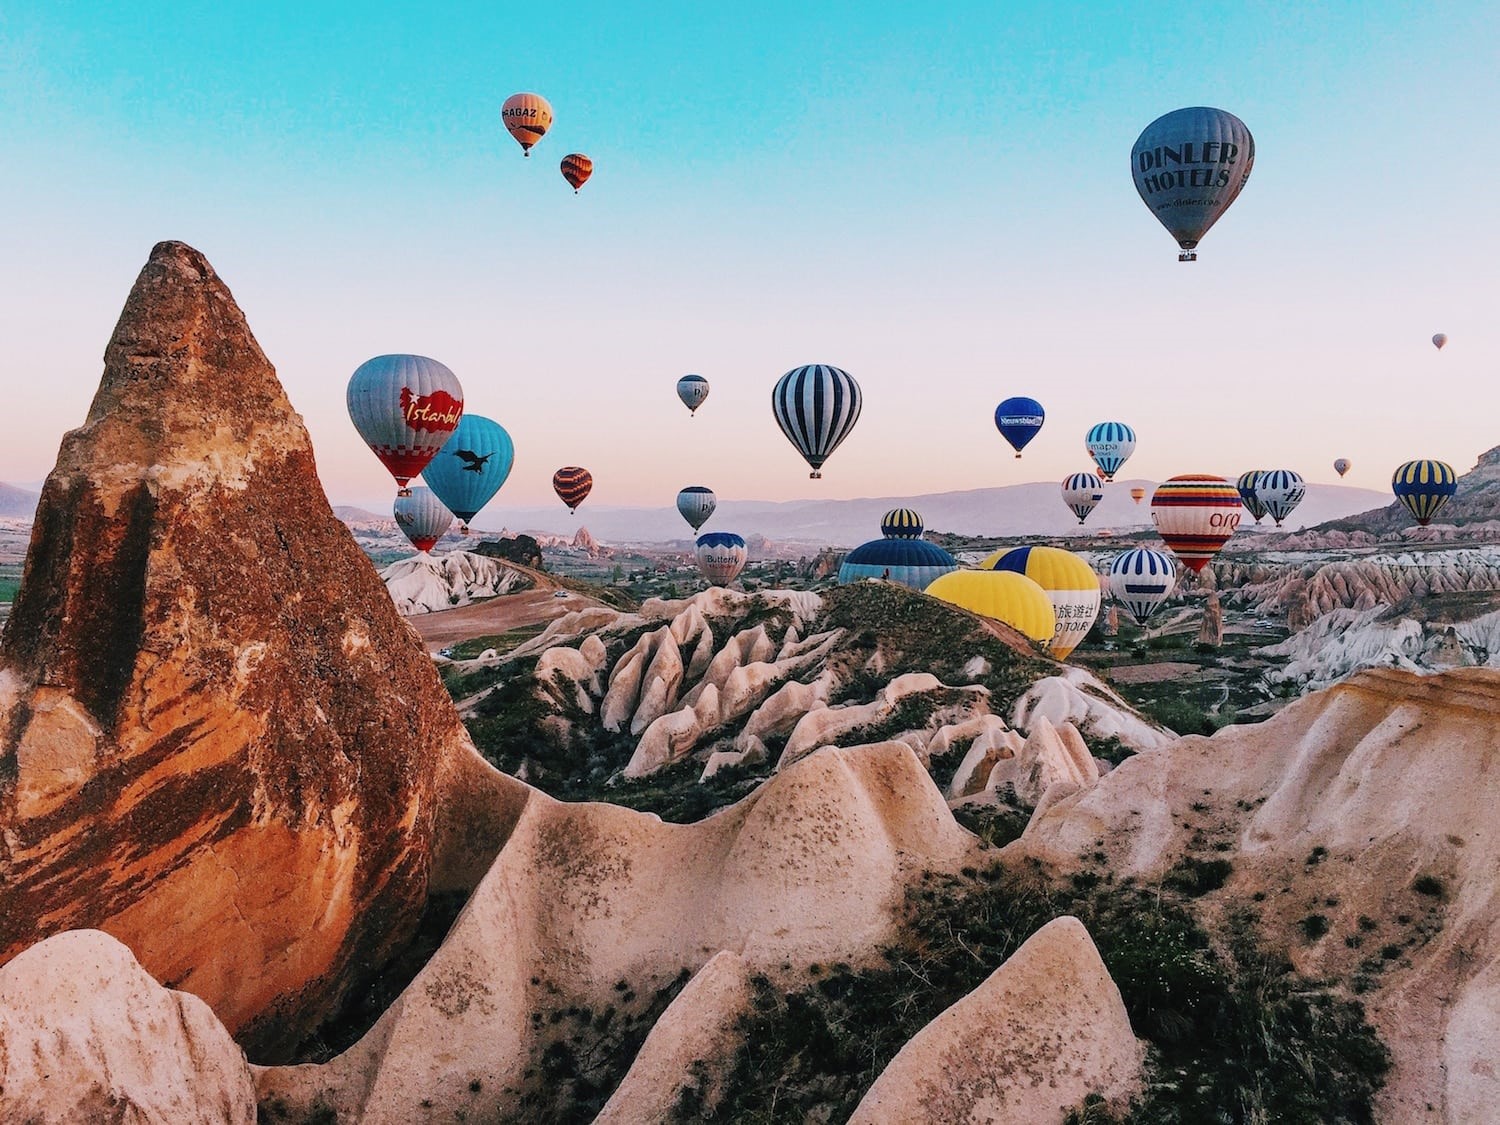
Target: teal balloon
<point>471,466</point>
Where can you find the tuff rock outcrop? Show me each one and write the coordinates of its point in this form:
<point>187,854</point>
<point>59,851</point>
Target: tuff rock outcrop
<point>87,1035</point>
<point>428,583</point>
<point>219,742</point>
<point>1047,1029</point>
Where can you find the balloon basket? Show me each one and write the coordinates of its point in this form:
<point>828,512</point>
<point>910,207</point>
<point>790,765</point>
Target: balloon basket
<point>814,476</point>
<point>1187,256</point>
<point>403,491</point>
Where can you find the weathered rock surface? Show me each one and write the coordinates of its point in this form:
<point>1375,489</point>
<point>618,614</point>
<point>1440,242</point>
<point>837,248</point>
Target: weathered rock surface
<point>1076,696</point>
<point>428,583</point>
<point>220,741</point>
<point>1045,1030</point>
<point>87,1035</point>
<point>812,866</point>
<point>1339,805</point>
<point>1050,757</point>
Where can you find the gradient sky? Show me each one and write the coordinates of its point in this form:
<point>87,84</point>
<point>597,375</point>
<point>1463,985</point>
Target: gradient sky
<point>936,198</point>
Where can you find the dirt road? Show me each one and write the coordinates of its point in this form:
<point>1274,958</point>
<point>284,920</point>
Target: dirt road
<point>495,615</point>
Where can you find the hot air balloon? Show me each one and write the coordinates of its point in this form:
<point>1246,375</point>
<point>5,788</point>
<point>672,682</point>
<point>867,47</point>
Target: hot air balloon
<point>1424,487</point>
<point>471,467</point>
<point>692,389</point>
<point>1000,595</point>
<point>1110,444</point>
<point>912,562</point>
<point>721,556</point>
<point>1070,584</point>
<point>1082,492</point>
<point>572,484</point>
<point>1137,494</point>
<point>422,517</point>
<point>1279,491</point>
<point>696,504</point>
<point>1195,514</point>
<point>1342,465</point>
<point>1439,340</point>
<point>816,406</point>
<point>1245,486</point>
<point>404,406</point>
<point>1189,165</point>
<point>1018,420</point>
<point>576,169</point>
<point>527,117</point>
<point>1141,580</point>
<point>901,523</point>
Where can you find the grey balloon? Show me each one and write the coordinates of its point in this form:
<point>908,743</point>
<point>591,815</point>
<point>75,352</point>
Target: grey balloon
<point>1189,166</point>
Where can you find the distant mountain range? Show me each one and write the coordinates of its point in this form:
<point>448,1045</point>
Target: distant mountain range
<point>17,503</point>
<point>1013,510</point>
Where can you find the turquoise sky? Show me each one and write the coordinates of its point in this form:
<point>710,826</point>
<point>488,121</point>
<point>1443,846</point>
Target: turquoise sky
<point>936,198</point>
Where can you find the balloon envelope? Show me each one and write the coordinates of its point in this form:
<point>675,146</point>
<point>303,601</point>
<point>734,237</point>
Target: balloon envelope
<point>1141,580</point>
<point>912,562</point>
<point>1342,465</point>
<point>527,118</point>
<point>1425,487</point>
<point>1070,584</point>
<point>1245,486</point>
<point>901,523</point>
<point>1019,419</point>
<point>572,484</point>
<point>1439,340</point>
<point>1109,444</point>
<point>1000,595</point>
<point>816,406</point>
<point>1279,491</point>
<point>405,407</point>
<point>696,504</point>
<point>721,556</point>
<point>1189,166</point>
<point>576,169</point>
<point>471,466</point>
<point>1137,494</point>
<point>1195,515</point>
<point>422,517</point>
<point>1082,492</point>
<point>692,389</point>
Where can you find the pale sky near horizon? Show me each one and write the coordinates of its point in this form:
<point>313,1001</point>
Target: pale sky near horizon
<point>937,200</point>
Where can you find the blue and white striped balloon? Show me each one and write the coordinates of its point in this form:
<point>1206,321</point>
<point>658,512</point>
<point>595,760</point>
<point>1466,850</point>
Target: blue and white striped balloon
<point>1082,492</point>
<point>1279,491</point>
<point>816,406</point>
<point>1141,580</point>
<point>721,556</point>
<point>1109,444</point>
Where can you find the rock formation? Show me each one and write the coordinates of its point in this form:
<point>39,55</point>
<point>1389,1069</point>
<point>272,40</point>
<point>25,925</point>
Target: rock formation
<point>1050,1010</point>
<point>521,549</point>
<point>1370,806</point>
<point>220,742</point>
<point>1211,629</point>
<point>87,1035</point>
<point>426,583</point>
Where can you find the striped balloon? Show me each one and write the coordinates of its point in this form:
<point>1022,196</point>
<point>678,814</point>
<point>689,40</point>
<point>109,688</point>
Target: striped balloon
<point>576,169</point>
<point>721,556</point>
<point>471,467</point>
<point>1110,444</point>
<point>692,389</point>
<point>572,484</point>
<point>1141,580</point>
<point>1424,487</point>
<point>816,406</point>
<point>1195,515</point>
<point>696,504</point>
<point>911,562</point>
<point>1137,494</point>
<point>527,118</point>
<point>404,406</point>
<point>901,523</point>
<point>1082,492</point>
<point>1279,491</point>
<point>1245,486</point>
<point>421,517</point>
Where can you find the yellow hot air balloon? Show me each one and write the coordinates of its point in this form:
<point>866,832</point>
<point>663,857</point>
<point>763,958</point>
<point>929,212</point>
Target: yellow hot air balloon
<point>527,118</point>
<point>1001,595</point>
<point>1069,583</point>
<point>1137,494</point>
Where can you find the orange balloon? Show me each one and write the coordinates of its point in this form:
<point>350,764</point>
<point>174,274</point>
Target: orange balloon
<point>576,169</point>
<point>527,118</point>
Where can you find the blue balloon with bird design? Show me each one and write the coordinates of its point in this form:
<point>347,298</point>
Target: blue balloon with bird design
<point>471,466</point>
